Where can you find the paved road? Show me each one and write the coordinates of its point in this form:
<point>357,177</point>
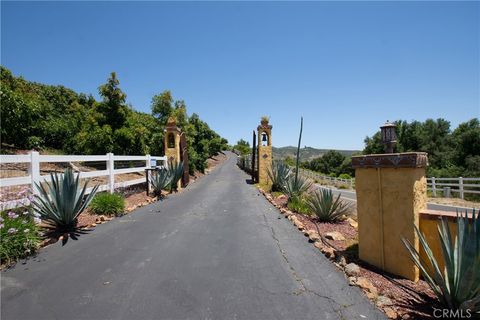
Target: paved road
<point>351,195</point>
<point>218,250</point>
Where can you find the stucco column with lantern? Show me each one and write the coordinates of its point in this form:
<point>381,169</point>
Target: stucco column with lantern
<point>172,143</point>
<point>391,191</point>
<point>265,157</point>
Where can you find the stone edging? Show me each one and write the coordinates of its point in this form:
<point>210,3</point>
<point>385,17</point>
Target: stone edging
<point>351,270</point>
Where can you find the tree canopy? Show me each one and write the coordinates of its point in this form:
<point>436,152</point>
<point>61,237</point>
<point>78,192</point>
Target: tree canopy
<point>450,153</point>
<point>37,116</point>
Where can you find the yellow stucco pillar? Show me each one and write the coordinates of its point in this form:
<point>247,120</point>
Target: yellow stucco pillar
<point>391,191</point>
<point>172,143</point>
<point>265,156</point>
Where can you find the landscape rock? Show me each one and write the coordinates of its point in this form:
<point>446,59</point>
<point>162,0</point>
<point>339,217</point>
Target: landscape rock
<point>335,235</point>
<point>318,245</point>
<point>369,288</point>
<point>383,301</point>
<point>329,252</point>
<point>364,283</point>
<point>391,314</point>
<point>342,261</point>
<point>352,269</point>
<point>313,235</point>
<point>352,281</point>
<point>371,295</point>
<point>352,223</point>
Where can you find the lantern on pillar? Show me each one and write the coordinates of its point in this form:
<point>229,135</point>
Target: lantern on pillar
<point>389,136</point>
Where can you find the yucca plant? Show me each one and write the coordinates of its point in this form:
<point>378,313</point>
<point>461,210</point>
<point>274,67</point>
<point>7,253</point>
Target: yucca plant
<point>160,180</point>
<point>326,207</point>
<point>61,201</point>
<point>457,286</point>
<point>279,173</point>
<point>175,171</point>
<point>296,185</point>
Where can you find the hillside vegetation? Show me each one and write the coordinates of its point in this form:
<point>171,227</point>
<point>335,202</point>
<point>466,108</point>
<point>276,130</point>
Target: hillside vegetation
<point>306,153</point>
<point>38,116</point>
<point>450,153</point>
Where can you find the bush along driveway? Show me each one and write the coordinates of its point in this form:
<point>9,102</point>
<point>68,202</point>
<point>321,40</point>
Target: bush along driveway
<point>217,250</point>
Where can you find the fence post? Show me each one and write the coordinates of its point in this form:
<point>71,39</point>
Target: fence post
<point>34,170</point>
<point>111,175</point>
<point>434,187</point>
<point>147,172</point>
<point>460,186</point>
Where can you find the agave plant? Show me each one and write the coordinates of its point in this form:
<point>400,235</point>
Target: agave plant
<point>61,201</point>
<point>296,187</point>
<point>279,173</point>
<point>326,207</point>
<point>160,180</point>
<point>175,171</point>
<point>457,286</point>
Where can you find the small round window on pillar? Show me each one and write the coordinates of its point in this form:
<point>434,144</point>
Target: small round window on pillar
<point>171,140</point>
<point>265,141</point>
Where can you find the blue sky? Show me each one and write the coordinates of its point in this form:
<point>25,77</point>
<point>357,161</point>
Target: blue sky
<point>346,67</point>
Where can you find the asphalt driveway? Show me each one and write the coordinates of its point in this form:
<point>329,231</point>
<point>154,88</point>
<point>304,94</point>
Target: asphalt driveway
<point>218,250</point>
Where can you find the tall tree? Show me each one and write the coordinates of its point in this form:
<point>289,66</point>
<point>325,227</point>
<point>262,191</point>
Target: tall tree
<point>113,105</point>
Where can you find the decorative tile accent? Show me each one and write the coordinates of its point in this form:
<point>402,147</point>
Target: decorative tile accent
<point>392,160</point>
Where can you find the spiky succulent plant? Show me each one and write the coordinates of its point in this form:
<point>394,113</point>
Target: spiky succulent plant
<point>175,171</point>
<point>61,201</point>
<point>279,173</point>
<point>457,286</point>
<point>326,207</point>
<point>160,180</point>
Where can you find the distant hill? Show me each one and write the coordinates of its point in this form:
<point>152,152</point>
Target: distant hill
<point>306,153</point>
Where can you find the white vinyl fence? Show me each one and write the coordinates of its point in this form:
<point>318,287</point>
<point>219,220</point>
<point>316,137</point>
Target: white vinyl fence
<point>326,180</point>
<point>460,186</point>
<point>32,175</point>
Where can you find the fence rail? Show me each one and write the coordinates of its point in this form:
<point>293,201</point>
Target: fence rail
<point>33,161</point>
<point>460,185</point>
<point>326,180</point>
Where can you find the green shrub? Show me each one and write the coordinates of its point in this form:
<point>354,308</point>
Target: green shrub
<point>345,176</point>
<point>108,204</point>
<point>458,285</point>
<point>279,173</point>
<point>19,236</point>
<point>62,200</point>
<point>327,208</point>
<point>299,205</point>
